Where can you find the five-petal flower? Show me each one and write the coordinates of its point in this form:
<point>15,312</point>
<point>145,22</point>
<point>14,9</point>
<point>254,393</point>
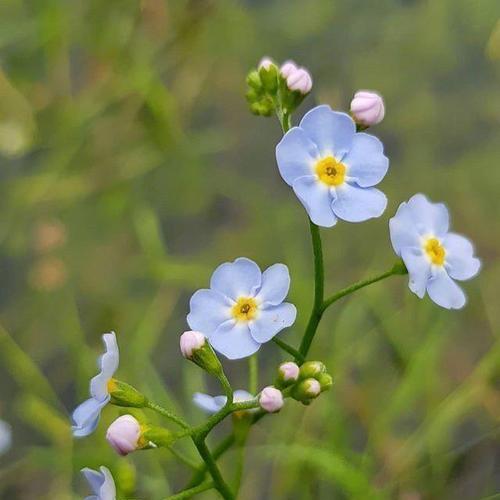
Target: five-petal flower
<point>332,169</point>
<point>101,483</point>
<point>86,416</point>
<point>243,308</point>
<point>212,404</point>
<point>433,256</point>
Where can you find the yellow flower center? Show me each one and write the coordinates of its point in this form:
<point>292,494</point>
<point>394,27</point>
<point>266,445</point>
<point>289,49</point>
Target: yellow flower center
<point>330,171</point>
<point>435,251</point>
<point>111,385</point>
<point>245,309</point>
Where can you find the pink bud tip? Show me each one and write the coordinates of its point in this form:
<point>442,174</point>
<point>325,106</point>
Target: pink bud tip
<point>367,107</point>
<point>288,68</point>
<point>300,81</point>
<point>289,371</point>
<point>123,434</point>
<point>271,399</point>
<point>313,387</point>
<point>190,341</point>
<point>266,63</point>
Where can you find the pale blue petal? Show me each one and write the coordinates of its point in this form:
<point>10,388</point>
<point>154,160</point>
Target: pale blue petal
<point>296,155</point>
<point>109,364</point>
<point>5,437</point>
<point>403,231</point>
<point>460,261</point>
<point>445,292</point>
<point>86,416</point>
<point>94,478</point>
<point>240,395</point>
<point>316,198</point>
<point>92,497</point>
<point>235,279</point>
<point>108,489</point>
<point>208,309</point>
<point>208,403</point>
<point>429,218</point>
<point>233,340</point>
<point>356,204</point>
<point>365,161</point>
<point>331,131</point>
<point>275,285</point>
<point>419,270</point>
<point>271,321</point>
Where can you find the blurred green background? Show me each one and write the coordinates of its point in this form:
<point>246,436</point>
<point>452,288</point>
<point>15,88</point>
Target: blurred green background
<point>131,168</point>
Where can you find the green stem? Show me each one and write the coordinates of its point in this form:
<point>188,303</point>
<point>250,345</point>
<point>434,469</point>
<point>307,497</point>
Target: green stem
<point>192,491</point>
<point>319,283</point>
<point>228,390</point>
<point>212,468</point>
<point>253,376</point>
<point>289,349</point>
<point>168,414</point>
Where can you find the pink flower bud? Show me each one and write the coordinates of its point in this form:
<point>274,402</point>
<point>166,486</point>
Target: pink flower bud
<point>367,108</point>
<point>288,68</point>
<point>271,399</point>
<point>124,434</point>
<point>312,387</point>
<point>265,63</point>
<point>289,371</point>
<point>300,81</point>
<point>191,341</point>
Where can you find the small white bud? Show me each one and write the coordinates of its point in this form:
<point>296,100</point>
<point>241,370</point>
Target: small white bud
<point>367,108</point>
<point>124,434</point>
<point>191,341</point>
<point>271,399</point>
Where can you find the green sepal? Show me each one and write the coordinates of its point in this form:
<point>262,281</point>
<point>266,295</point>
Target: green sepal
<point>311,369</point>
<point>206,359</point>
<point>269,79</point>
<point>325,381</point>
<point>160,436</point>
<point>123,394</point>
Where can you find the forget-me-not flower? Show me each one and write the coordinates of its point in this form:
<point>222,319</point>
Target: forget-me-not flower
<point>332,169</point>
<point>212,404</point>
<point>102,484</point>
<point>86,416</point>
<point>243,307</point>
<point>5,436</point>
<point>433,256</point>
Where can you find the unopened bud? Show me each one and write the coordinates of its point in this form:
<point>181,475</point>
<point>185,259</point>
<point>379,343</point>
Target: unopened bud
<point>367,108</point>
<point>311,369</point>
<point>124,435</point>
<point>325,381</point>
<point>268,72</point>
<point>191,341</point>
<point>196,348</point>
<point>123,394</point>
<point>297,79</point>
<point>306,390</point>
<point>288,373</point>
<point>271,399</point>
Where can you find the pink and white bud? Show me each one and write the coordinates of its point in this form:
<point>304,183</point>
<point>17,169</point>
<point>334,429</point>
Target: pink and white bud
<point>124,434</point>
<point>300,81</point>
<point>191,341</point>
<point>271,399</point>
<point>289,371</point>
<point>266,63</point>
<point>288,68</point>
<point>311,387</point>
<point>367,108</point>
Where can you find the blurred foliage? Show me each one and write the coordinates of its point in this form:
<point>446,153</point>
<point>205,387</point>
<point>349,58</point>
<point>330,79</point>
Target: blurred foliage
<point>131,168</point>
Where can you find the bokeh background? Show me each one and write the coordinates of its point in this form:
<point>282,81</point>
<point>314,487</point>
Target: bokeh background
<point>130,168</point>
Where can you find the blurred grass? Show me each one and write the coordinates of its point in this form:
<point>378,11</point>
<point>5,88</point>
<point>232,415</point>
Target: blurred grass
<point>131,168</point>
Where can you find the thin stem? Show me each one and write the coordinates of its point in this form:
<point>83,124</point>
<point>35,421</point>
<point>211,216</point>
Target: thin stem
<point>192,491</point>
<point>361,284</point>
<point>289,349</point>
<point>212,468</point>
<point>253,375</point>
<point>168,414</point>
<point>319,283</point>
<point>228,390</point>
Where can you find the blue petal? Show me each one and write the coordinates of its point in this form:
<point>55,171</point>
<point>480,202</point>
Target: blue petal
<point>236,279</point>
<point>272,320</point>
<point>296,155</point>
<point>429,218</point>
<point>403,231</point>
<point>460,261</point>
<point>275,285</point>
<point>208,403</point>
<point>331,131</point>
<point>233,340</point>
<point>356,204</point>
<point>366,161</point>
<point>208,309</point>
<point>419,270</point>
<point>445,292</point>
<point>240,395</point>
<point>86,416</point>
<point>109,364</point>
<point>316,198</point>
<point>94,478</point>
<point>5,437</point>
<point>108,489</point>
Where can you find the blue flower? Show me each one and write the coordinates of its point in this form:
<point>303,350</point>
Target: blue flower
<point>433,256</point>
<point>333,169</point>
<point>102,484</point>
<point>5,437</point>
<point>212,404</point>
<point>86,416</point>
<point>243,308</point>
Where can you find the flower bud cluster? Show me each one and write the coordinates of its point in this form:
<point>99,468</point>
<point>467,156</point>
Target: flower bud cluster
<point>272,88</point>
